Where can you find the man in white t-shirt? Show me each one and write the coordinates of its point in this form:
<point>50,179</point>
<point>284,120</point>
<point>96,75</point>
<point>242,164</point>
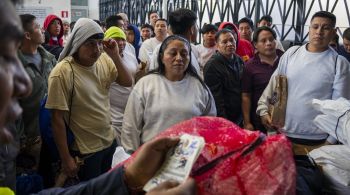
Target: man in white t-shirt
<point>208,47</point>
<point>147,47</point>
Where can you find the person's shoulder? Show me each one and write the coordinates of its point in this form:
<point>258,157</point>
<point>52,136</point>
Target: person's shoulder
<point>252,61</point>
<point>46,54</point>
<point>147,82</point>
<point>63,67</point>
<point>148,41</point>
<point>214,58</point>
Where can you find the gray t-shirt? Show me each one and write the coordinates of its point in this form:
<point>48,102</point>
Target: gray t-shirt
<point>34,59</point>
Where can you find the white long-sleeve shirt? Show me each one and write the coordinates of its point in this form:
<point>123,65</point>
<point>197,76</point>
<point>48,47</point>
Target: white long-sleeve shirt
<point>324,75</point>
<point>157,103</point>
<point>119,95</point>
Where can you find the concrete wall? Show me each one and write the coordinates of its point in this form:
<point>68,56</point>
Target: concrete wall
<point>41,8</point>
<point>94,12</point>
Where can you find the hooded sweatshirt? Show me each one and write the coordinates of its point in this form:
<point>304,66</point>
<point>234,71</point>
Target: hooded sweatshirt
<point>48,20</point>
<point>244,48</point>
<point>84,28</point>
<point>137,39</point>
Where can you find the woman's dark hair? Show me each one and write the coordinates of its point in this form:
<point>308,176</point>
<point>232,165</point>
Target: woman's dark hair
<point>260,29</point>
<point>190,69</point>
<point>161,67</point>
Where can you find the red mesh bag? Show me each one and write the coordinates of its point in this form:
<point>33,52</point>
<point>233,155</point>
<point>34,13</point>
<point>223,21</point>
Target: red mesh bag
<point>237,161</point>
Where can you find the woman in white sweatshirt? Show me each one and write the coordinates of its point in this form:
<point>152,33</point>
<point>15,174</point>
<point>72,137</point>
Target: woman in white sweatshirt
<point>171,94</point>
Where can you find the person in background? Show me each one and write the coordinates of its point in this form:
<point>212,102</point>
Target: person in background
<point>133,36</point>
<point>266,20</point>
<point>314,71</point>
<point>208,47</point>
<point>125,20</point>
<point>344,50</point>
<point>246,28</point>
<point>256,75</point>
<point>38,63</point>
<point>147,31</point>
<point>53,26</point>
<point>103,26</point>
<point>153,17</point>
<point>71,25</point>
<point>172,93</point>
<point>66,30</point>
<point>334,43</point>
<point>119,94</point>
<point>223,74</point>
<point>244,48</point>
<point>80,83</point>
<point>147,47</point>
<point>53,35</point>
<point>116,20</point>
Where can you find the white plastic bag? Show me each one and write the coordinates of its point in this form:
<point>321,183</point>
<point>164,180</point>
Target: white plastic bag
<point>332,111</point>
<point>335,162</point>
<point>119,156</point>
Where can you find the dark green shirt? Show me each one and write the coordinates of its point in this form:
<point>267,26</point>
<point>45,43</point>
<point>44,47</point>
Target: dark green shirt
<point>28,124</point>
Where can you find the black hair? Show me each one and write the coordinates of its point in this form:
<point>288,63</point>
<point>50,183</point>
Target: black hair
<point>98,22</point>
<point>346,34</point>
<point>246,20</point>
<point>96,36</point>
<point>223,31</point>
<point>71,25</point>
<point>27,20</point>
<point>217,24</point>
<point>260,29</point>
<point>208,28</point>
<point>161,19</point>
<point>112,21</point>
<point>325,14</point>
<point>181,20</point>
<point>152,12</point>
<point>147,26</point>
<point>267,18</point>
<point>190,69</point>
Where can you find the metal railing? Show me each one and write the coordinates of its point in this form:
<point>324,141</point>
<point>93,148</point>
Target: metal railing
<point>291,17</point>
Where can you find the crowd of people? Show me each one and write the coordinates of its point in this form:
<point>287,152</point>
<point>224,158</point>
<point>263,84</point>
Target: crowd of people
<point>113,83</point>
